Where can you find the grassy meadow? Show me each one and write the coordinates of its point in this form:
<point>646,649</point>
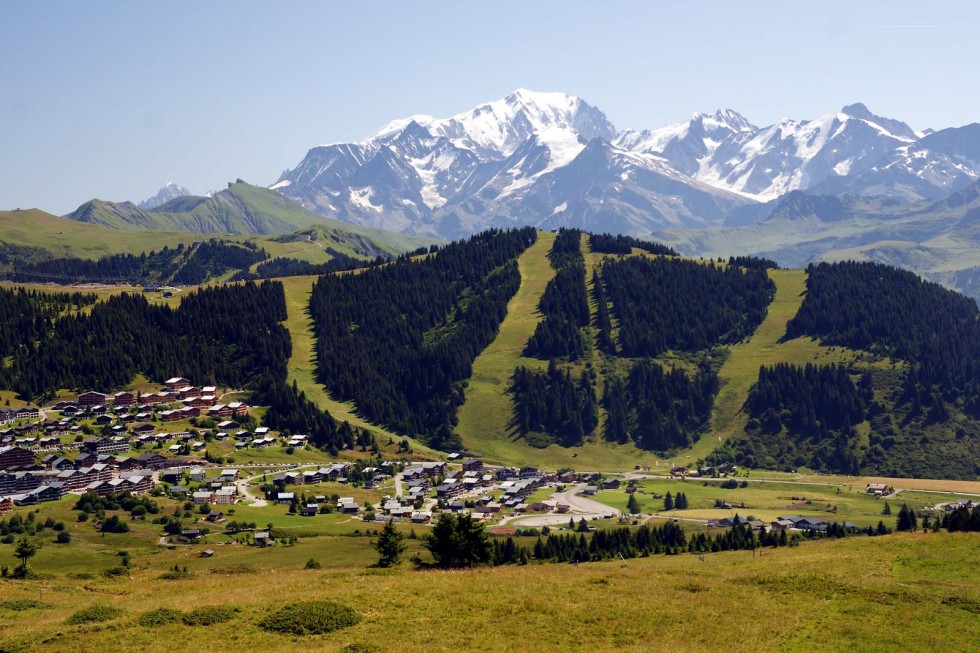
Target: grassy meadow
<point>912,592</point>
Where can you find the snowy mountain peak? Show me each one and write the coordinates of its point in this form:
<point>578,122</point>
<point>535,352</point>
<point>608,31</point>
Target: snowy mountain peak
<point>857,110</point>
<point>530,156</point>
<point>732,120</point>
<point>895,128</point>
<point>170,191</point>
<point>494,130</point>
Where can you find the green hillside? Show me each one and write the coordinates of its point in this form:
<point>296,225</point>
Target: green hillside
<point>240,209</point>
<point>32,236</point>
<point>893,434</point>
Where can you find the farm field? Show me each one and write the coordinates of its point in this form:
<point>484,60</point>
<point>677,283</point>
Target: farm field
<point>767,501</point>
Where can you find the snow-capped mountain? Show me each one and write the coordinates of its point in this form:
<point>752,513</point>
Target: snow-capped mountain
<point>726,151</point>
<point>929,168</point>
<point>519,160</point>
<point>551,159</point>
<point>170,191</point>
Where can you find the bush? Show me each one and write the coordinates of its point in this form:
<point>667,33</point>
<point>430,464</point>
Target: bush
<point>360,648</point>
<point>115,572</point>
<point>159,617</point>
<point>19,605</point>
<point>64,537</point>
<point>312,564</point>
<point>209,615</point>
<point>309,618</point>
<point>95,613</point>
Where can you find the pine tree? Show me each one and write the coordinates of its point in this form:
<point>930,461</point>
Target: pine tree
<point>681,501</point>
<point>633,506</point>
<point>668,502</point>
<point>25,550</point>
<point>389,546</point>
<point>887,510</point>
<point>907,520</point>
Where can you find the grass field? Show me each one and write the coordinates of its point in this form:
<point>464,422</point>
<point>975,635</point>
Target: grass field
<point>902,592</point>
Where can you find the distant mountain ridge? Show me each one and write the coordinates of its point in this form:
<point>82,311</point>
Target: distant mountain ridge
<point>169,192</point>
<point>239,209</point>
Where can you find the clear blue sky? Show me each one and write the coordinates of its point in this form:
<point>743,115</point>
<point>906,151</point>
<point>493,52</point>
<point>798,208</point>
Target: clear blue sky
<point>113,99</point>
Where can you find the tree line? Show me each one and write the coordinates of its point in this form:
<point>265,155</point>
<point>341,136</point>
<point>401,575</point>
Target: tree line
<point>181,265</point>
<point>564,303</point>
<point>895,313</point>
<point>670,304</point>
<point>283,266</point>
<point>753,262</point>
<point>400,340</point>
<point>802,416</point>
<point>658,410</point>
<point>555,404</point>
<point>619,244</point>
<point>27,315</point>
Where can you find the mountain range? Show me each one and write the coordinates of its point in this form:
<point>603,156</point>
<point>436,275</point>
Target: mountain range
<point>551,159</point>
<point>713,185</point>
<point>847,184</point>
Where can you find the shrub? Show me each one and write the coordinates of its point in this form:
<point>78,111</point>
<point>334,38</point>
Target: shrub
<point>312,564</point>
<point>309,618</point>
<point>159,617</point>
<point>19,605</point>
<point>209,615</point>
<point>360,648</point>
<point>115,572</point>
<point>95,613</point>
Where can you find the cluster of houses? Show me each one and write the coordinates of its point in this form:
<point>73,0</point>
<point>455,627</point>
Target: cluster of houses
<point>25,417</point>
<point>218,490</point>
<point>182,399</point>
<point>121,412</point>
<point>25,482</point>
<point>706,471</point>
<point>11,415</point>
<point>786,523</point>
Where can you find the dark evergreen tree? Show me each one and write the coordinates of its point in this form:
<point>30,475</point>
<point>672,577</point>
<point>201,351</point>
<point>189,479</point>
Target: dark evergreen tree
<point>389,546</point>
<point>632,505</point>
<point>456,541</point>
<point>907,521</point>
<point>554,403</point>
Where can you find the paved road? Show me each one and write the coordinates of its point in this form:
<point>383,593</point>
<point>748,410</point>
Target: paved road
<point>581,507</point>
<point>583,504</point>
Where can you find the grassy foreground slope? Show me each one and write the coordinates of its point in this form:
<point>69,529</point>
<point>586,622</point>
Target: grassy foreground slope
<point>904,592</point>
